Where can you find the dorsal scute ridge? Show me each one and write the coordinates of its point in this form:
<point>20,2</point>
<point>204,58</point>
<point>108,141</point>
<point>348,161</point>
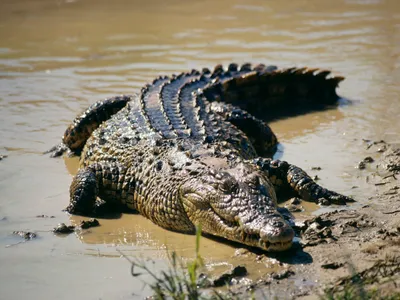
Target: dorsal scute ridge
<point>193,108</point>
<point>245,67</point>
<point>161,77</point>
<point>233,67</point>
<point>152,107</point>
<point>183,98</point>
<point>170,93</point>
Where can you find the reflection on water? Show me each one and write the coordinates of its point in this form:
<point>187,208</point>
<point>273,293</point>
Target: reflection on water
<point>57,57</point>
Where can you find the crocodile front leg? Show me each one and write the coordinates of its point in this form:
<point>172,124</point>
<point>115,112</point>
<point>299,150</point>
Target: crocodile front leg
<point>82,127</point>
<point>97,190</point>
<point>286,177</point>
<point>84,190</point>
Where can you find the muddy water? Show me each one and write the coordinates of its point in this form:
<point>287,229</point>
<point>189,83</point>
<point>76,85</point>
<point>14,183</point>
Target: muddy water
<point>57,57</point>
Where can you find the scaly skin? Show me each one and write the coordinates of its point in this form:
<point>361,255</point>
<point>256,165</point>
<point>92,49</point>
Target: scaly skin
<point>193,149</point>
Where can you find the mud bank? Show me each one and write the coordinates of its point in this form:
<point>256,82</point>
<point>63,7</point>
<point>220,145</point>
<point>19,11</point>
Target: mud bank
<point>345,247</point>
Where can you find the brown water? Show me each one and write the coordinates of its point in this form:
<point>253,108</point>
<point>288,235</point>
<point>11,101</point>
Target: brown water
<point>58,56</point>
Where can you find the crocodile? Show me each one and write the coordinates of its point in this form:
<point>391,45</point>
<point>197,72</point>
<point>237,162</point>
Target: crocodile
<point>194,149</point>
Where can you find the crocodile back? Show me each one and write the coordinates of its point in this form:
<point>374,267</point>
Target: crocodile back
<point>178,107</point>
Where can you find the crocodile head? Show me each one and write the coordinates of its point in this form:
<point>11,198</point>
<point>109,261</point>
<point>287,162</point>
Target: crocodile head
<point>237,204</point>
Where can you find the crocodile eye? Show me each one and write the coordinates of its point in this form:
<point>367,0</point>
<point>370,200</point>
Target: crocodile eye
<point>228,185</point>
<point>254,181</point>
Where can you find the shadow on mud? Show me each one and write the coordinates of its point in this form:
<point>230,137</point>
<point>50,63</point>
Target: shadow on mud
<point>293,256</point>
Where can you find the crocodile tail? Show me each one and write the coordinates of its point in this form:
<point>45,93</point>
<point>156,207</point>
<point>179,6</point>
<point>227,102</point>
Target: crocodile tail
<point>268,90</point>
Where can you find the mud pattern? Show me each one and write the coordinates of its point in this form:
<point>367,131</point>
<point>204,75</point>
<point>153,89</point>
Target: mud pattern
<point>67,229</point>
<point>27,235</point>
<point>226,278</point>
<point>88,224</point>
<point>63,229</point>
<point>351,250</point>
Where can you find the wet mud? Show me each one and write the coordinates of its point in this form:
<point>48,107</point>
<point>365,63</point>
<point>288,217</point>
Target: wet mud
<point>345,247</point>
<point>84,224</point>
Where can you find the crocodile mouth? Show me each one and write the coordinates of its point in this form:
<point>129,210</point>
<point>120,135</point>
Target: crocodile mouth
<point>238,233</point>
<point>276,246</point>
<point>255,240</point>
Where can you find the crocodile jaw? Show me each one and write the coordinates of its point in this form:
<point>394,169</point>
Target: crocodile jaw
<point>270,233</point>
